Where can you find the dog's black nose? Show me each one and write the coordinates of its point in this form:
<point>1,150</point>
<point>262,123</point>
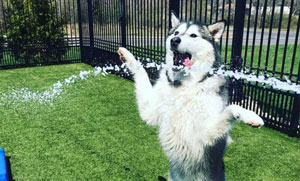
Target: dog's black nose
<point>175,41</point>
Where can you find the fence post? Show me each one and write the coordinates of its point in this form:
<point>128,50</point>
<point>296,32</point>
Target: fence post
<point>174,5</point>
<point>91,27</point>
<point>236,89</point>
<point>123,22</point>
<point>238,30</point>
<point>295,117</point>
<point>80,29</point>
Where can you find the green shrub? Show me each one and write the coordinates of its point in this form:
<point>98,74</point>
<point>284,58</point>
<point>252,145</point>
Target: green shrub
<point>34,31</point>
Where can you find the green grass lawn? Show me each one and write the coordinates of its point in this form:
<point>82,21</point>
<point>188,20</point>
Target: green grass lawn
<point>92,131</point>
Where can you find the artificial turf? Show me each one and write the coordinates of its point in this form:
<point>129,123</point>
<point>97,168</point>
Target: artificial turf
<point>93,131</point>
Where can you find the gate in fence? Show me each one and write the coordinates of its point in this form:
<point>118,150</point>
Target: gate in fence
<point>261,37</point>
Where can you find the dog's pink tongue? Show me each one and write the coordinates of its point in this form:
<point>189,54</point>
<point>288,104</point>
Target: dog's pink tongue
<point>187,62</point>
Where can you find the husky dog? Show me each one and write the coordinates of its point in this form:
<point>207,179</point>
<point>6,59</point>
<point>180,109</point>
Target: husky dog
<point>190,109</point>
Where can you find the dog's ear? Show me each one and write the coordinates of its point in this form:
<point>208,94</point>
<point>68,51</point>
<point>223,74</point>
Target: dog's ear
<point>216,30</point>
<point>174,19</point>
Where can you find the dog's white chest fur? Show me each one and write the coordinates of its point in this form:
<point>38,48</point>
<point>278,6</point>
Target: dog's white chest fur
<point>185,114</point>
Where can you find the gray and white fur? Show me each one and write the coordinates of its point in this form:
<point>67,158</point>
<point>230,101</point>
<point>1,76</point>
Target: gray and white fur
<point>190,110</point>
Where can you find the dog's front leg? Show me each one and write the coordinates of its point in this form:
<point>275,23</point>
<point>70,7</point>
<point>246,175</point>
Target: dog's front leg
<point>231,115</point>
<point>144,90</point>
<point>237,113</point>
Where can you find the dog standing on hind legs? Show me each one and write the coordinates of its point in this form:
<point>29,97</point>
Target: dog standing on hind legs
<point>189,107</point>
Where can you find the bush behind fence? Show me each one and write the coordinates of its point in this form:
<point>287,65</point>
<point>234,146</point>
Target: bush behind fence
<point>35,32</point>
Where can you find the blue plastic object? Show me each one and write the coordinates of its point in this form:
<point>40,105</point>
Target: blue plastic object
<point>3,168</point>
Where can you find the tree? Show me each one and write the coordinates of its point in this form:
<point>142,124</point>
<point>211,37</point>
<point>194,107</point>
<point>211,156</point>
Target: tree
<point>107,11</point>
<point>296,6</point>
<point>34,31</point>
<point>2,39</point>
<point>1,45</point>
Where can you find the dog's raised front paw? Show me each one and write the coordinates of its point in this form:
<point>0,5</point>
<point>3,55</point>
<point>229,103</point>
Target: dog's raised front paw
<point>252,119</point>
<point>247,116</point>
<point>127,57</point>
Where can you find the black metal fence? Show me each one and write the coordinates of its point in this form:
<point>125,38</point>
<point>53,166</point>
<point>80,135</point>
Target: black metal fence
<point>261,37</point>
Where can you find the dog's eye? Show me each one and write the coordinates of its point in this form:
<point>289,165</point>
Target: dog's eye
<point>193,35</point>
<point>176,33</point>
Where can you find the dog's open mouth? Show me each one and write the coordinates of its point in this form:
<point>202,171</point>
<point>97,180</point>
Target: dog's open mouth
<point>182,60</point>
